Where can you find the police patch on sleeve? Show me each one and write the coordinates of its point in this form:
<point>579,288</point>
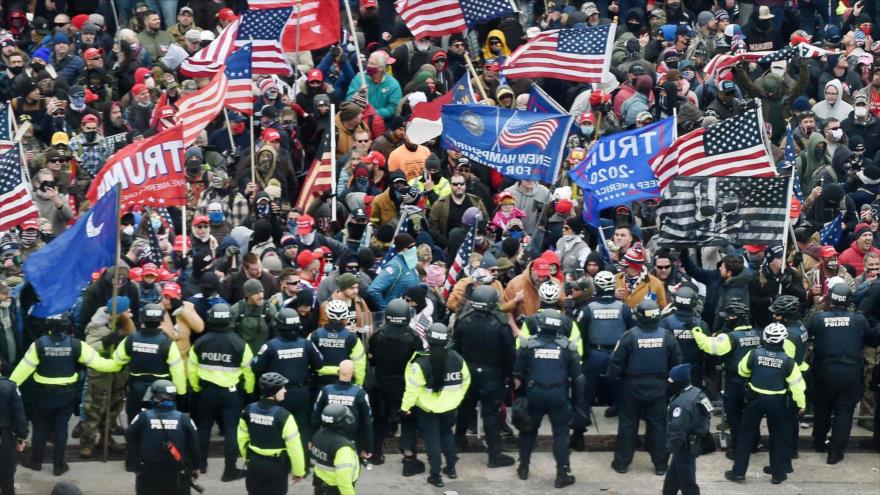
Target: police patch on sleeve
<point>707,404</point>
<point>676,412</point>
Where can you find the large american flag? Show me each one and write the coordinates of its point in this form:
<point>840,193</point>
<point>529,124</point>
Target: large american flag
<point>269,4</point>
<point>698,211</point>
<point>436,18</point>
<point>581,55</point>
<point>6,134</point>
<point>461,260</point>
<point>16,204</point>
<point>262,29</point>
<point>789,162</point>
<point>320,176</point>
<point>210,59</point>
<point>402,228</point>
<point>732,147</point>
<point>240,93</point>
<point>518,132</point>
<point>723,61</point>
<point>197,110</point>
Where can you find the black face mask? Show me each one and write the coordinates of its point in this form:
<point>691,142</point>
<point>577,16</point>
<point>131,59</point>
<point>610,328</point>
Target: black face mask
<point>356,230</point>
<point>90,136</point>
<point>634,27</point>
<point>764,24</point>
<point>411,146</point>
<point>675,388</point>
<point>37,67</point>
<point>16,70</point>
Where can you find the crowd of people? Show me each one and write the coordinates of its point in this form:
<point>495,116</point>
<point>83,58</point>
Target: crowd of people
<point>357,300</point>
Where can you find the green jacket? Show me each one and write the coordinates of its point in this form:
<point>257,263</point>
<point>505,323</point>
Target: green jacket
<point>252,322</point>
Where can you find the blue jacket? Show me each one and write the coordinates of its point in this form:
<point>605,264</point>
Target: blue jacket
<point>339,76</point>
<point>391,282</point>
<point>71,69</point>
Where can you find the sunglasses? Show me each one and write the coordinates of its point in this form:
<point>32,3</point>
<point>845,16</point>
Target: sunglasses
<point>58,160</point>
<point>663,267</point>
<point>455,184</point>
<point>292,282</point>
<point>363,140</point>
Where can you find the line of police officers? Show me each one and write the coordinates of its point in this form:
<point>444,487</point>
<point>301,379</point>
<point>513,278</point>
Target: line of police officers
<point>307,383</point>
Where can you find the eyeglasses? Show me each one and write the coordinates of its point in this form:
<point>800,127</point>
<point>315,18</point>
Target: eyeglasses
<point>363,140</point>
<point>831,93</point>
<point>352,267</point>
<point>494,42</point>
<point>456,184</point>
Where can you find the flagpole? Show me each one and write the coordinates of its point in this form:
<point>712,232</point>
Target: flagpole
<point>333,154</point>
<point>296,49</point>
<point>253,152</point>
<point>787,225</point>
<point>229,129</point>
<point>357,49</point>
<point>470,65</point>
<point>183,229</point>
<point>18,133</point>
<point>113,314</point>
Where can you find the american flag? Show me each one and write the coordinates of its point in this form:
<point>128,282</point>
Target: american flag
<point>210,59</point>
<point>789,162</point>
<point>723,210</point>
<point>197,110</point>
<point>806,50</point>
<point>723,61</point>
<point>431,18</point>
<point>581,55</point>
<point>518,132</point>
<point>6,134</point>
<point>319,26</point>
<point>269,4</point>
<point>484,10</point>
<point>319,178</point>
<point>461,260</point>
<point>155,253</point>
<point>16,204</point>
<point>781,54</point>
<point>262,28</point>
<point>832,232</point>
<point>239,93</point>
<point>732,147</point>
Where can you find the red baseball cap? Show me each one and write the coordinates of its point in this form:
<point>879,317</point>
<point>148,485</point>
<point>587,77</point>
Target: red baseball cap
<point>374,157</point>
<point>827,252</point>
<point>30,224</point>
<point>754,248</point>
<point>369,4</point>
<point>269,134</point>
<point>92,53</point>
<point>138,89</point>
<point>305,224</point>
<point>541,267</point>
<point>172,290</point>
<point>90,118</point>
<point>178,243</point>
<point>226,14</point>
<point>315,75</point>
<point>150,269</point>
<point>201,219</point>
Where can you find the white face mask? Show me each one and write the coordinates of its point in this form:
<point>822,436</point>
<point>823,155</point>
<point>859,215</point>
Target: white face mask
<point>307,239</point>
<point>423,45</point>
<point>836,134</point>
<point>128,230</point>
<point>860,111</point>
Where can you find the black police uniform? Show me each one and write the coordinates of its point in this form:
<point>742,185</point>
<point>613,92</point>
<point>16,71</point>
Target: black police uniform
<point>265,447</point>
<point>390,350</point>
<point>323,449</point>
<point>335,342</point>
<point>148,455</point>
<point>148,350</point>
<point>546,364</point>
<point>13,427</point>
<point>642,361</point>
<point>484,340</point>
<point>355,398</point>
<point>798,336</point>
<point>679,323</point>
<point>839,337</point>
<point>604,320</point>
<point>687,422</point>
<point>742,340</point>
<point>292,357</point>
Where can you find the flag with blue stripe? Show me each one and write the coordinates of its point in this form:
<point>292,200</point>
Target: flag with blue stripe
<point>831,233</point>
<point>789,162</point>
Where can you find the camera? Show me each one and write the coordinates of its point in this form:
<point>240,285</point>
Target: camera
<point>46,184</point>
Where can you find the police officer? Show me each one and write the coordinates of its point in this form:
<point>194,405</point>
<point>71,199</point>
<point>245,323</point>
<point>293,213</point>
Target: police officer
<point>687,422</point>
<point>355,399</point>
<point>484,340</point>
<point>839,337</point>
<point>336,461</point>
<point>679,323</point>
<point>163,447</point>
<point>217,362</point>
<point>151,355</point>
<point>436,383</point>
<point>336,342</point>
<point>771,375</point>
<point>604,321</point>
<point>642,360</point>
<point>786,310</point>
<point>268,439</point>
<point>52,359</point>
<point>292,356</point>
<point>13,430</point>
<point>733,345</point>
<point>547,364</point>
<point>548,295</point>
<point>391,348</point>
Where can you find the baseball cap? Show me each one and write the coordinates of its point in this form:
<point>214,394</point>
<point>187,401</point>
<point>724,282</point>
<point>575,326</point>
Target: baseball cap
<point>226,14</point>
<point>193,36</point>
<point>728,86</point>
<point>172,290</point>
<point>150,269</point>
<point>827,251</point>
<point>305,224</point>
<point>359,214</point>
<point>315,75</point>
<point>200,220</point>
<point>186,10</point>
<point>270,134</point>
<point>541,267</point>
<point>60,138</point>
<point>92,53</point>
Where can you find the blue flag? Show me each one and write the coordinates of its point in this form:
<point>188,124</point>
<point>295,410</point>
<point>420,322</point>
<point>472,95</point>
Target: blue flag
<point>519,144</point>
<point>831,233</point>
<point>540,101</point>
<point>789,162</point>
<point>60,270</point>
<point>616,170</point>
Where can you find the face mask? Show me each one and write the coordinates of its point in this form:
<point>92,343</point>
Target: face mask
<point>291,226</point>
<point>47,237</point>
<point>836,134</point>
<point>372,71</point>
<point>688,74</point>
<point>570,237</point>
<point>356,230</point>
<point>860,111</point>
<point>216,216</point>
<point>263,210</point>
<point>588,130</point>
<point>271,95</point>
<point>411,257</point>
<point>832,265</point>
<point>16,70</point>
<point>149,82</point>
<point>307,239</point>
<point>516,234</point>
<point>422,46</point>
<point>90,135</point>
<point>128,230</point>
<point>29,237</point>
<point>764,24</point>
<point>819,152</point>
<point>156,223</point>
<point>237,128</point>
<point>37,67</point>
<point>634,27</point>
<point>142,104</point>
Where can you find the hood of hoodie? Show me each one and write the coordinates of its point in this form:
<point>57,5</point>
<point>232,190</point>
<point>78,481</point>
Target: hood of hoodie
<point>771,83</point>
<point>841,155</point>
<point>816,139</point>
<point>741,280</point>
<point>835,83</point>
<point>505,50</point>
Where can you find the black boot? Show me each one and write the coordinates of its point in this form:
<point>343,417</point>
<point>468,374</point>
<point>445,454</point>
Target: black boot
<point>450,472</point>
<point>576,442</point>
<point>788,470</point>
<point>731,476</point>
<point>500,460</point>
<point>32,464</point>
<point>611,412</point>
<point>523,471</point>
<point>60,469</point>
<point>563,478</point>
<point>834,456</point>
<point>435,480</point>
<point>232,473</point>
<point>412,465</point>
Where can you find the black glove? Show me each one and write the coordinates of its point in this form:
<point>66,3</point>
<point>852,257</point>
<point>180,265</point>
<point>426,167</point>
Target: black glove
<point>111,340</point>
<point>175,305</point>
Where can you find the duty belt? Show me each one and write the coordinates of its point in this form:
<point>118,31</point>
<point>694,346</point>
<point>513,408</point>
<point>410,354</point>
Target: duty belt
<point>599,347</point>
<point>546,385</point>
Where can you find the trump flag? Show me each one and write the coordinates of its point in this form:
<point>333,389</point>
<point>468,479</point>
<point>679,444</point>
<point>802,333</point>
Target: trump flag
<point>519,144</point>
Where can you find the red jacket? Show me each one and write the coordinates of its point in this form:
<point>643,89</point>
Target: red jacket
<point>853,256</point>
<point>373,121</point>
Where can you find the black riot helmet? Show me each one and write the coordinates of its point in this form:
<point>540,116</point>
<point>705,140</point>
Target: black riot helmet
<point>550,321</point>
<point>220,316</point>
<point>484,298</point>
<point>152,315</point>
<point>647,313</point>
<point>161,390</point>
<point>336,416</point>
<point>685,299</point>
<point>787,307</point>
<point>287,322</point>
<point>840,294</point>
<point>398,312</point>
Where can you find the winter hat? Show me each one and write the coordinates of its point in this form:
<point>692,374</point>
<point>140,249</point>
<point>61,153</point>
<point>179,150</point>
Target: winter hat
<point>861,229</point>
<point>267,84</point>
<point>122,304</point>
<point>360,100</point>
<point>304,298</point>
<point>510,247</point>
<point>721,15</point>
<point>634,257</point>
<point>366,257</point>
<point>252,287</point>
<point>432,162</point>
<point>471,216</point>
<point>348,110</point>
<point>43,54</point>
<point>644,84</point>
<point>680,373</point>
<point>704,17</point>
<point>564,206</point>
<point>488,261</point>
<point>870,175</point>
<point>417,293</point>
<point>403,242</point>
<point>595,257</point>
<point>262,231</point>
<point>773,252</point>
<point>8,244</point>
<point>397,122</point>
<point>435,275</point>
<point>347,280</point>
<point>424,253</point>
<point>800,104</point>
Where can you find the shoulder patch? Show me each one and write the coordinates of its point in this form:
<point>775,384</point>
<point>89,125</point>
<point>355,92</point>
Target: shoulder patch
<point>390,270</point>
<point>707,404</point>
<point>676,412</point>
